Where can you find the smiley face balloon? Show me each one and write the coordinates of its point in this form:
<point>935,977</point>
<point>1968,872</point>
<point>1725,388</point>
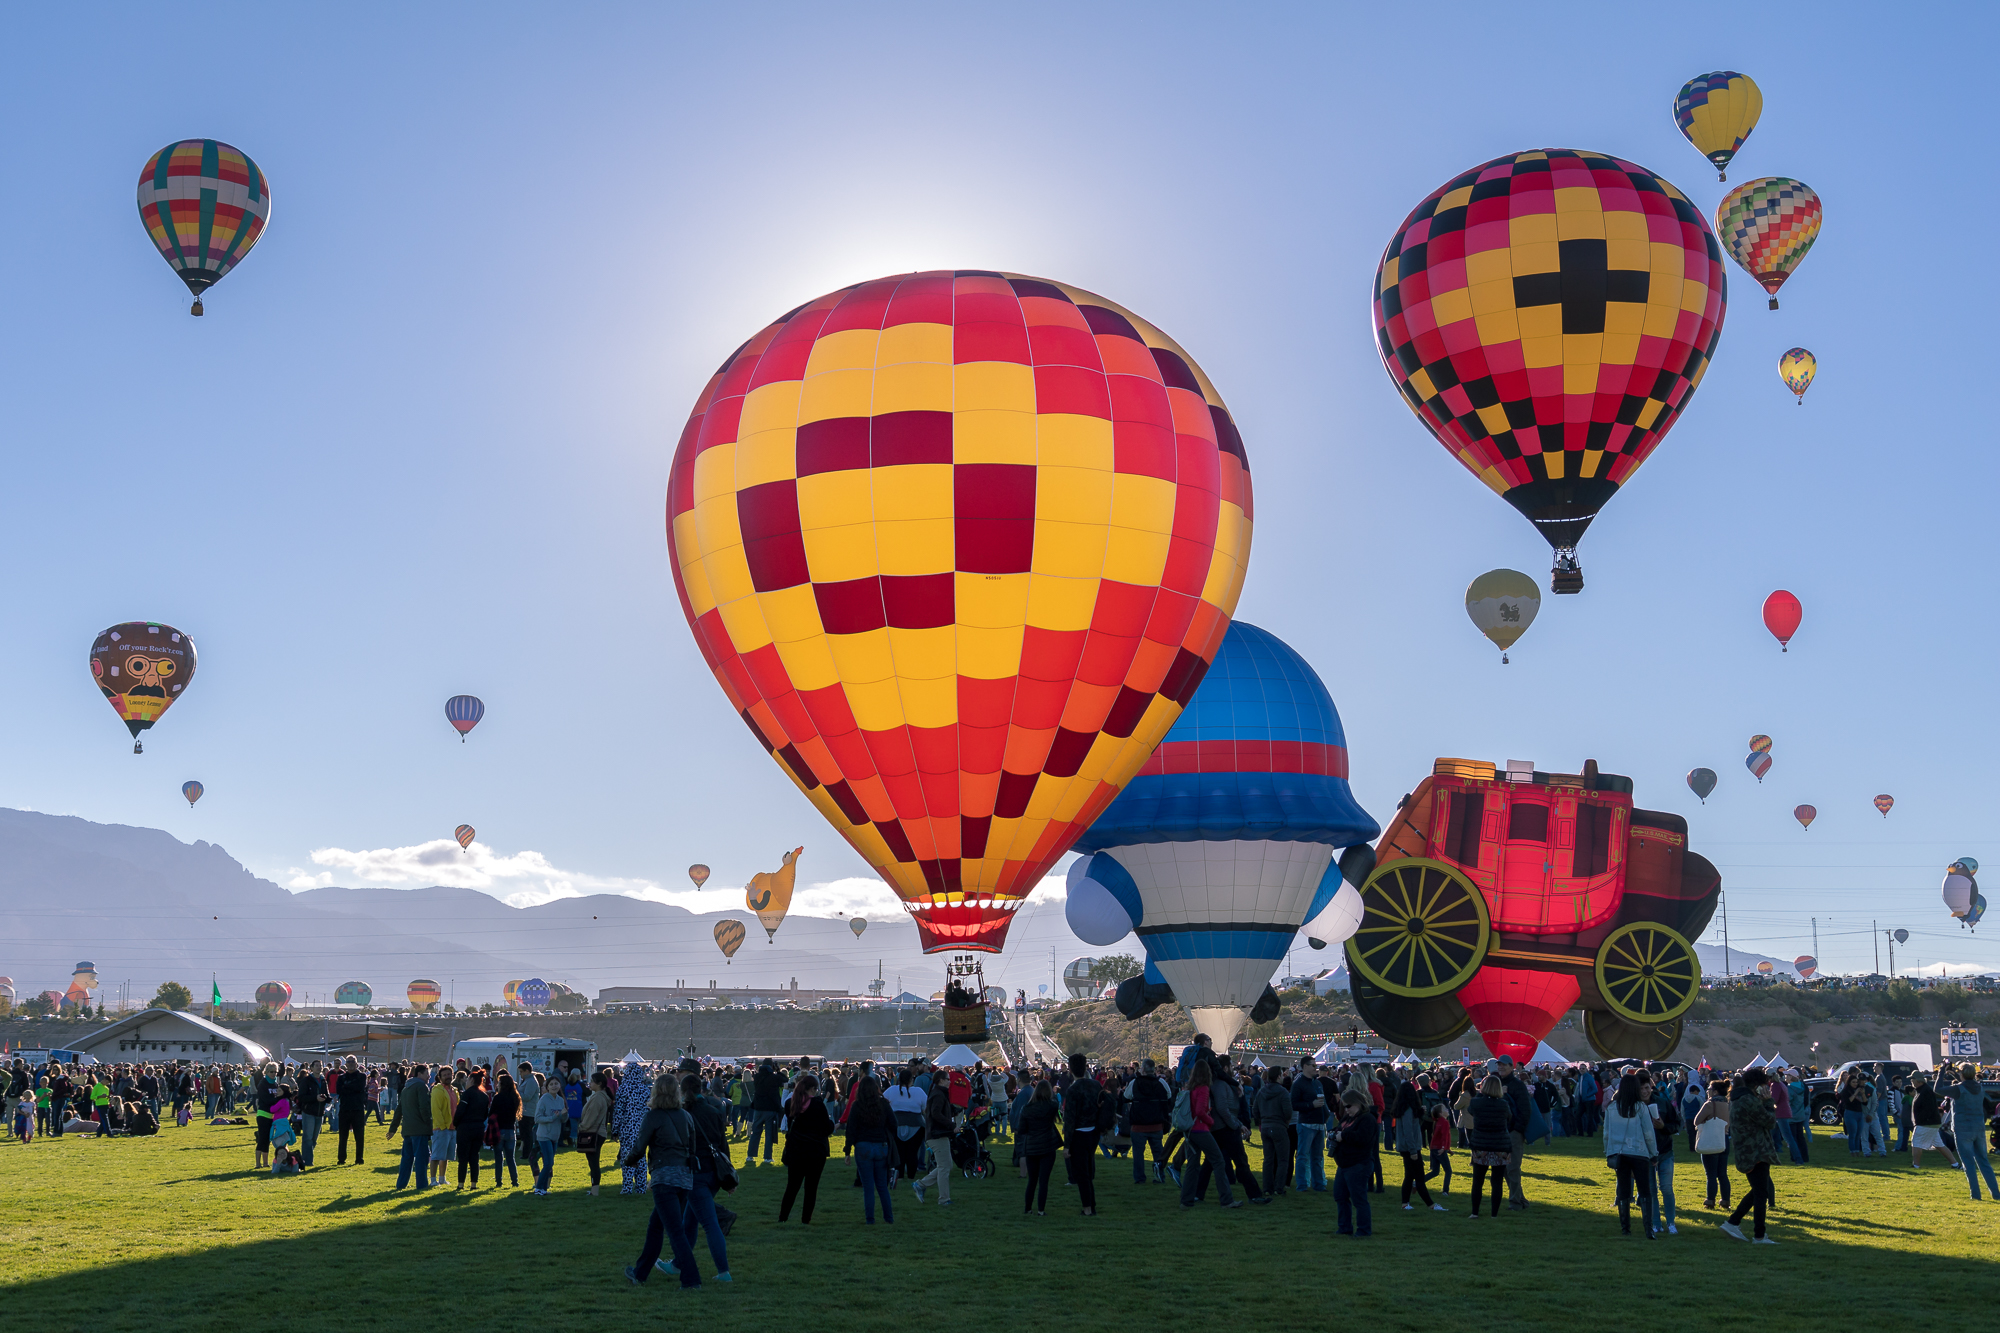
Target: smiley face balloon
<point>143,667</point>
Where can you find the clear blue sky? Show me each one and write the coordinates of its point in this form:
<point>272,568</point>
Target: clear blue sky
<point>419,444</point>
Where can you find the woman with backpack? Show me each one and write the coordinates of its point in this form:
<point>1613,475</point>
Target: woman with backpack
<point>1194,1116</point>
<point>1711,1140</point>
<point>907,1103</point>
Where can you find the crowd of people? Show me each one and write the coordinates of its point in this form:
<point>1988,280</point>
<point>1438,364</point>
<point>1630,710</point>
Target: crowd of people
<point>916,1124</point>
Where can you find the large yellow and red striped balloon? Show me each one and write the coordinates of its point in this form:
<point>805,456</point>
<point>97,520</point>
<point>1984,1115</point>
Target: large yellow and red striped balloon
<point>958,547</point>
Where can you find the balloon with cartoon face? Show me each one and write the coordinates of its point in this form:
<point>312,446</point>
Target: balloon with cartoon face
<point>143,667</point>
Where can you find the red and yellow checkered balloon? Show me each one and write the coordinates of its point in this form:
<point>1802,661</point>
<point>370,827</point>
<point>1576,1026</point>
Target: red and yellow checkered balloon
<point>959,546</point>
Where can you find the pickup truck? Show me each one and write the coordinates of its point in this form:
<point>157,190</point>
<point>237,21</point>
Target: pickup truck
<point>1819,1091</point>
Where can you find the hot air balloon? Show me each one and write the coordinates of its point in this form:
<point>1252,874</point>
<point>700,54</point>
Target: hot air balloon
<point>1551,357</point>
<point>355,993</point>
<point>534,993</point>
<point>1902,936</point>
<point>1782,613</point>
<point>1701,781</point>
<point>858,925</point>
<point>275,996</point>
<point>204,204</point>
<point>465,834</point>
<point>1717,112</point>
<point>1885,802</point>
<point>1767,226</point>
<point>1805,964</point>
<point>85,975</point>
<point>729,937</point>
<point>1094,910</point>
<point>1502,604</point>
<point>1760,744</point>
<point>769,894</point>
<point>463,711</point>
<point>191,790</point>
<point>423,995</point>
<point>1961,886</point>
<point>962,576</point>
<point>1797,368</point>
<point>510,994</point>
<point>1764,968</point>
<point>143,667</point>
<point>76,997</point>
<point>1758,762</point>
<point>699,874</point>
<point>1805,814</point>
<point>1225,838</point>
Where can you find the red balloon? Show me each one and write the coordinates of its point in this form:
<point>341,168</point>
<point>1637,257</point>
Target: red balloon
<point>1781,616</point>
<point>1515,1008</point>
<point>1805,814</point>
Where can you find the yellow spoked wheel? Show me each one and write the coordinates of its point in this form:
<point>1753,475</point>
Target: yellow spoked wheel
<point>1613,1038</point>
<point>1424,929</point>
<point>1647,973</point>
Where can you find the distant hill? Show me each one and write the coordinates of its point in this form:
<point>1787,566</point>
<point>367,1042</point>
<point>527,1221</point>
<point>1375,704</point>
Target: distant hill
<point>146,908</point>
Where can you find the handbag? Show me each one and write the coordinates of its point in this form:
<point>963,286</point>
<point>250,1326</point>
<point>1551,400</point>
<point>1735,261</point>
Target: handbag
<point>718,1161</point>
<point>1711,1136</point>
<point>589,1140</point>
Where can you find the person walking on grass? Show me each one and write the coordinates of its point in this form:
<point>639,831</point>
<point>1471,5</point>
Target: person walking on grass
<point>1438,1129</point>
<point>1085,1108</point>
<point>1711,1140</point>
<point>590,1130</point>
<point>1968,1120</point>
<point>1666,1129</point>
<point>1630,1140</point>
<point>1411,1135</point>
<point>505,1113</point>
<point>1202,1148</point>
<point>935,1135</point>
<point>413,1110</point>
<point>1489,1117</point>
<point>1354,1149</point>
<point>663,1147</point>
<point>1927,1128</point>
<point>871,1125</point>
<point>551,1115</point>
<point>1039,1140</point>
<point>1751,1116</point>
<point>1149,1099</point>
<point>1309,1105</point>
<point>1271,1107</point>
<point>709,1163</point>
<point>809,1130</point>
<point>469,1123</point>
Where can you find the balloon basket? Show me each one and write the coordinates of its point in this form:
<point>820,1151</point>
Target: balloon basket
<point>195,309</point>
<point>1774,303</point>
<point>965,1000</point>
<point>138,748</point>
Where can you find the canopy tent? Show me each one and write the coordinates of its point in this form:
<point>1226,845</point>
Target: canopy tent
<point>956,1056</point>
<point>1546,1054</point>
<point>328,1048</point>
<point>1326,1054</point>
<point>1757,1063</point>
<point>1776,1062</point>
<point>1257,1062</point>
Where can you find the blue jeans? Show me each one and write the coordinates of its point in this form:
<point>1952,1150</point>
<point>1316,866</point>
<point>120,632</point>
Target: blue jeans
<point>1872,1137</point>
<point>545,1162</point>
<point>416,1156</point>
<point>701,1212</point>
<point>1790,1131</point>
<point>668,1224</point>
<point>1311,1170</point>
<point>503,1151</point>
<point>1972,1156</point>
<point>764,1123</point>
<point>1204,1155</point>
<point>1852,1123</point>
<point>1140,1138</point>
<point>1350,1191</point>
<point>872,1160</point>
<point>308,1135</point>
<point>1663,1181</point>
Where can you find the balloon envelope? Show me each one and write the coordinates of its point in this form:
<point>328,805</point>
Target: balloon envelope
<point>535,993</point>
<point>1502,604</point>
<point>275,996</point>
<point>204,204</point>
<point>1550,358</point>
<point>1758,762</point>
<point>463,711</point>
<point>858,925</point>
<point>1885,803</point>
<point>142,667</point>
<point>1767,226</point>
<point>510,993</point>
<point>1097,913</point>
<point>354,992</point>
<point>465,834</point>
<point>729,937</point>
<point>769,893</point>
<point>1805,814</point>
<point>1958,891</point>
<point>1765,967</point>
<point>1701,781</point>
<point>698,873</point>
<point>1805,964</point>
<point>191,790</point>
<point>423,993</point>
<point>1782,614</point>
<point>1760,744</point>
<point>1338,920</point>
<point>1902,936</point>
<point>1797,368</point>
<point>1716,113</point>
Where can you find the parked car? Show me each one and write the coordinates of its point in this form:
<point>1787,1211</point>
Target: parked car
<point>1819,1091</point>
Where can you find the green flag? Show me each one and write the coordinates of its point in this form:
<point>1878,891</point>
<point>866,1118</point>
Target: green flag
<point>215,993</point>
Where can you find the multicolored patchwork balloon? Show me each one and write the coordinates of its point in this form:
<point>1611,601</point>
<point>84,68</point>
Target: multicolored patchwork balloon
<point>204,204</point>
<point>423,993</point>
<point>1547,316</point>
<point>1768,226</point>
<point>958,547</point>
<point>1717,112</point>
<point>1797,368</point>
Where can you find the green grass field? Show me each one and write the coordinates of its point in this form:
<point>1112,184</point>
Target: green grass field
<point>176,1232</point>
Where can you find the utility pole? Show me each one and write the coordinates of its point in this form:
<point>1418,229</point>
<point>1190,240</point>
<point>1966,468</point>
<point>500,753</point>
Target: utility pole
<point>1724,896</point>
<point>1892,953</point>
<point>1878,951</point>
<point>1815,925</point>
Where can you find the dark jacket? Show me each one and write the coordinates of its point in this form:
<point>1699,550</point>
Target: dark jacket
<point>665,1137</point>
<point>713,1134</point>
<point>1273,1105</point>
<point>506,1106</point>
<point>416,1108</point>
<point>1225,1105</point>
<point>767,1091</point>
<point>1039,1136</point>
<point>939,1113</point>
<point>1491,1118</point>
<point>1354,1141</point>
<point>1080,1104</point>
<point>312,1094</point>
<point>470,1117</point>
<point>870,1122</point>
<point>806,1137</point>
<point>352,1090</point>
<point>1304,1090</point>
<point>1751,1120</point>
<point>1151,1101</point>
<point>1519,1100</point>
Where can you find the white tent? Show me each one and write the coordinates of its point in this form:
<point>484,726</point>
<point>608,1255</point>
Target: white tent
<point>956,1056</point>
<point>1326,1054</point>
<point>1758,1063</point>
<point>1546,1054</point>
<point>1257,1062</point>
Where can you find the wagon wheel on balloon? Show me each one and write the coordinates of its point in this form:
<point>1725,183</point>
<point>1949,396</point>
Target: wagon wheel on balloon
<point>1647,973</point>
<point>1613,1038</point>
<point>1417,1024</point>
<point>1424,929</point>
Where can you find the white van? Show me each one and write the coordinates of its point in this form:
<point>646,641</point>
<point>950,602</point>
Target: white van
<point>541,1053</point>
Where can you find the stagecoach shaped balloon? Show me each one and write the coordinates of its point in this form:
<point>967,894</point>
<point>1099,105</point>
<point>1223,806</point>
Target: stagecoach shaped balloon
<point>423,994</point>
<point>958,547</point>
<point>142,667</point>
<point>1222,845</point>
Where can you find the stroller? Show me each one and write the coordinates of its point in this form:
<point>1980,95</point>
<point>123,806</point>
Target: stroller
<point>968,1145</point>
